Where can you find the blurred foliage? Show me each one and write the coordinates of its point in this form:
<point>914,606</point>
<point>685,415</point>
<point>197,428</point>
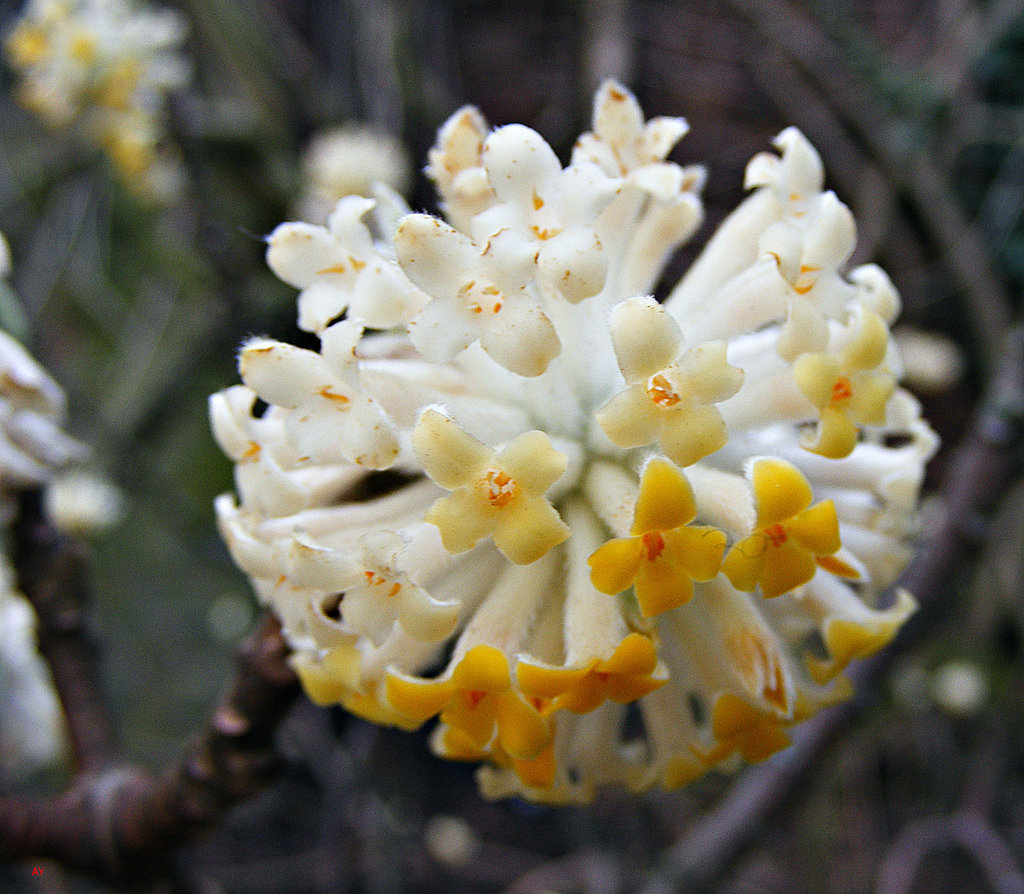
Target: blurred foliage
<point>137,311</point>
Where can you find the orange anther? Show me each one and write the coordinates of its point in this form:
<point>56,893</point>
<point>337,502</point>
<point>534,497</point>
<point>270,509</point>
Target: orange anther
<point>776,534</point>
<point>339,399</point>
<point>661,392</point>
<point>654,543</point>
<point>842,390</point>
<point>501,488</point>
<point>473,697</point>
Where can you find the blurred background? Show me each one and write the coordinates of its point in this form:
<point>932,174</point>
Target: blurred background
<point>136,304</point>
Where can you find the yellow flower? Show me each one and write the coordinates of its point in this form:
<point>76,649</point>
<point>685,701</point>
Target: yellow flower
<point>849,387</point>
<point>670,396</point>
<point>477,700</point>
<point>500,494</point>
<point>738,726</point>
<point>665,554</point>
<point>630,673</point>
<point>791,537</point>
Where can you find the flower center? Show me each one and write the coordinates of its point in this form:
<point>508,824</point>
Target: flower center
<point>501,488</point>
<point>842,390</point>
<point>376,580</point>
<point>473,697</point>
<point>776,535</point>
<point>654,543</point>
<point>660,390</point>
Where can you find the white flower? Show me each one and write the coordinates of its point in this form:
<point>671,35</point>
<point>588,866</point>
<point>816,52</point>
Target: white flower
<point>545,497</point>
<point>104,68</point>
<point>345,161</point>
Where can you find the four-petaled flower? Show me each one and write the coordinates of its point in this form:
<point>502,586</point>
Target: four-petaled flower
<point>669,396</point>
<point>374,589</point>
<point>849,387</point>
<point>477,699</point>
<point>739,726</point>
<point>339,268</point>
<point>628,674</point>
<point>791,537</point>
<point>494,493</point>
<point>664,553</point>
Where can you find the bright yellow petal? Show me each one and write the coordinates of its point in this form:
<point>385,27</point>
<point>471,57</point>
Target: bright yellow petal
<point>483,668</point>
<point>757,736</point>
<point>543,681</point>
<point>665,500</point>
<point>780,491</point>
<point>636,654</point>
<point>538,772</point>
<point>698,549</point>
<point>418,699</point>
<point>522,732</point>
<point>816,528</point>
<point>473,713</point>
<point>786,567</point>
<point>662,585</point>
<point>613,566</point>
<point>744,563</point>
<point>588,694</point>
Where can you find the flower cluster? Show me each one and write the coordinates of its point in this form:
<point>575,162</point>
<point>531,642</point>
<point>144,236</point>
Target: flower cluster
<point>104,68</point>
<point>599,538</point>
<point>33,448</point>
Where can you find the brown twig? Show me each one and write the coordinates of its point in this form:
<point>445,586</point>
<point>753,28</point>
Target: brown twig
<point>914,173</point>
<point>51,574</point>
<point>118,821</point>
<point>967,831</point>
<point>977,476</point>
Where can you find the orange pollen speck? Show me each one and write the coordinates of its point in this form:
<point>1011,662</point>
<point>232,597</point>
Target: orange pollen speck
<point>476,308</point>
<point>544,233</point>
<point>473,697</point>
<point>538,202</point>
<point>496,308</point>
<point>339,399</point>
<point>842,390</point>
<point>776,535</point>
<point>334,268</point>
<point>501,488</point>
<point>252,452</point>
<point>654,544</point>
<point>661,392</point>
<point>395,588</point>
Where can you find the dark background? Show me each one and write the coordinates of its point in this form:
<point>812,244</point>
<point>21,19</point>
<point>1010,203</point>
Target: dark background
<point>917,108</point>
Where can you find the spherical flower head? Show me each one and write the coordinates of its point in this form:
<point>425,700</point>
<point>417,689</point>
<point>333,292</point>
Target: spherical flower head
<point>103,68</point>
<point>513,495</point>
